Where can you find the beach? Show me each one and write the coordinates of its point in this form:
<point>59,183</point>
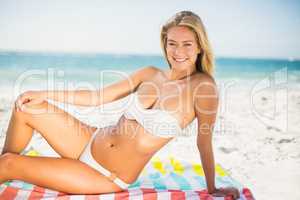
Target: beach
<point>257,134</point>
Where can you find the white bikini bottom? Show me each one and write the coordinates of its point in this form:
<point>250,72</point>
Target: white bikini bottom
<point>87,158</point>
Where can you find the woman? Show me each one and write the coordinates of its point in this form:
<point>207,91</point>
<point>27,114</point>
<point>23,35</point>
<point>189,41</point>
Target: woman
<point>109,159</point>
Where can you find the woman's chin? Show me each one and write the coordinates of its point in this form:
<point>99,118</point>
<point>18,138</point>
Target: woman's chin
<point>179,66</point>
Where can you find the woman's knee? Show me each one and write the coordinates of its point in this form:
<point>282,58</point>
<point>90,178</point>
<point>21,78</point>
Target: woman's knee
<point>29,111</point>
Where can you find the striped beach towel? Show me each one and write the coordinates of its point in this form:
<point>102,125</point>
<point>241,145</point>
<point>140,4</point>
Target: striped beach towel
<point>162,179</point>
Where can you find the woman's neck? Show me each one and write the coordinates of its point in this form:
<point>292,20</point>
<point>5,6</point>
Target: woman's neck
<point>174,74</point>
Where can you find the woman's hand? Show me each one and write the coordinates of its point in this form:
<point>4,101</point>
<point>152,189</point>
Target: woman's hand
<point>29,98</point>
<point>227,191</point>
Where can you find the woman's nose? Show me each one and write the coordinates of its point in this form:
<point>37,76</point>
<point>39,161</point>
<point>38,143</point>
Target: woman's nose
<point>179,51</point>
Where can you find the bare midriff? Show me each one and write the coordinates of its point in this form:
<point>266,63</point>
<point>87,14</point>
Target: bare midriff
<point>125,148</point>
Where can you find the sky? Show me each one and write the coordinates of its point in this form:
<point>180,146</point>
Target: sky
<point>261,29</point>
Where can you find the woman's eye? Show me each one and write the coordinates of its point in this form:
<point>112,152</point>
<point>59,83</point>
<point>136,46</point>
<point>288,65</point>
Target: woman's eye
<point>171,44</point>
<point>187,45</point>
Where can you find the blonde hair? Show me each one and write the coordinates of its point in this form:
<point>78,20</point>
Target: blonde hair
<point>205,59</point>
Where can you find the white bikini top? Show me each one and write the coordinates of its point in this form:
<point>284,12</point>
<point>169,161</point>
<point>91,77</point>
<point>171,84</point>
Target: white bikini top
<point>155,121</point>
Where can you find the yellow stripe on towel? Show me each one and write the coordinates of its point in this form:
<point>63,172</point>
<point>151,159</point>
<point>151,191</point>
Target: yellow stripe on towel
<point>158,165</point>
<point>220,171</point>
<point>32,153</point>
<point>177,166</point>
<point>198,169</point>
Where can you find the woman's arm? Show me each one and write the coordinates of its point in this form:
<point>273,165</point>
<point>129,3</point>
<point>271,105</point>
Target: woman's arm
<point>206,102</point>
<point>104,95</point>
<point>206,106</point>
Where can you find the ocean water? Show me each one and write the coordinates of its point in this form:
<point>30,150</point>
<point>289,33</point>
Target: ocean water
<point>23,70</point>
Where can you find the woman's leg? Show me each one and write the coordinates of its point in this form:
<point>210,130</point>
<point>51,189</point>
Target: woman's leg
<point>67,135</point>
<point>61,174</point>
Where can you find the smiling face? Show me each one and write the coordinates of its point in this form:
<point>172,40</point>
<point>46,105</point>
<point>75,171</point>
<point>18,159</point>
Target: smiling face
<point>182,48</point>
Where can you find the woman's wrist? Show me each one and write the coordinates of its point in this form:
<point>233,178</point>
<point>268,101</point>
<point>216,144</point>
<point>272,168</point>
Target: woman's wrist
<point>211,190</point>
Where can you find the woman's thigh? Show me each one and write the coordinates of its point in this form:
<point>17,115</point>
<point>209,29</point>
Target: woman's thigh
<point>61,174</point>
<point>66,135</point>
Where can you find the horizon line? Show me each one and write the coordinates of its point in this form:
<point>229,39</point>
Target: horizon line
<point>291,59</point>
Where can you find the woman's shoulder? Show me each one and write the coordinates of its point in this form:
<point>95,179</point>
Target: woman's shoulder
<point>149,70</point>
<point>146,72</point>
<point>155,70</point>
<point>203,84</point>
<point>202,78</point>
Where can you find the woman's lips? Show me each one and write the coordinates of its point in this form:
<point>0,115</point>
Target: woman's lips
<point>180,59</point>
